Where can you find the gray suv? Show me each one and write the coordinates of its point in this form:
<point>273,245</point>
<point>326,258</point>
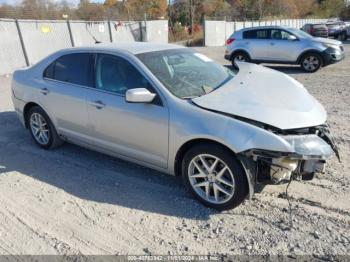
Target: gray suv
<point>282,45</point>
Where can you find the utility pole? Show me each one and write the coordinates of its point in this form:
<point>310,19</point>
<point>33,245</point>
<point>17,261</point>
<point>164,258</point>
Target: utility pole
<point>191,17</point>
<point>169,12</point>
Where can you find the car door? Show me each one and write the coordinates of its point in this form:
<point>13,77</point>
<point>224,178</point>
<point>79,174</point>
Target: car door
<point>135,130</point>
<point>282,48</point>
<point>63,93</point>
<point>256,43</point>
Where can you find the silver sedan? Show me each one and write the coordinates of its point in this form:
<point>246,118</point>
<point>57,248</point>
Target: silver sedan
<point>175,110</point>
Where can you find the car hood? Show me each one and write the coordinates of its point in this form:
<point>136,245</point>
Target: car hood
<point>267,96</point>
<point>327,41</point>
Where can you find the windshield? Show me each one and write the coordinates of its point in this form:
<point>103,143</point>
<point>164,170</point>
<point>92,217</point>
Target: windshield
<point>185,73</point>
<point>299,33</point>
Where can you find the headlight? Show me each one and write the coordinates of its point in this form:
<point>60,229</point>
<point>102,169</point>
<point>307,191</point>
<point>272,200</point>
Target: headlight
<point>331,46</point>
<point>309,146</point>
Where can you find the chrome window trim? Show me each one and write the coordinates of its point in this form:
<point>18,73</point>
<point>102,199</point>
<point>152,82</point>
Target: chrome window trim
<point>117,54</point>
<point>82,86</point>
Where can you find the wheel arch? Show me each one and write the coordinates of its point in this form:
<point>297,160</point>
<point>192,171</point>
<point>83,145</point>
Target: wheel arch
<point>189,144</point>
<point>310,51</point>
<point>240,51</point>
<point>26,110</point>
<point>243,162</point>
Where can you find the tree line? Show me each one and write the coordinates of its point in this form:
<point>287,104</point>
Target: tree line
<point>186,12</point>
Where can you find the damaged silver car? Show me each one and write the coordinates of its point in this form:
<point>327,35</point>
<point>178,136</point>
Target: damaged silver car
<point>175,110</point>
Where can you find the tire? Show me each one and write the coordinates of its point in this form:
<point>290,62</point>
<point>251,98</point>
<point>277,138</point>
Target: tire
<point>235,184</point>
<point>239,56</point>
<point>46,137</point>
<point>344,36</point>
<point>311,62</point>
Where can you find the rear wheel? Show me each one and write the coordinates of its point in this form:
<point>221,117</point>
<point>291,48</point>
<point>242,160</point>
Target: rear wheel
<point>240,57</point>
<point>214,176</point>
<point>311,62</point>
<point>42,129</point>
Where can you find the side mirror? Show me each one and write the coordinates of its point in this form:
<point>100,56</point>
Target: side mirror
<point>139,95</point>
<point>292,38</point>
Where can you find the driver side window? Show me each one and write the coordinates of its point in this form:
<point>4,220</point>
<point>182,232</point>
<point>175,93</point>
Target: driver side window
<point>278,34</point>
<point>117,75</point>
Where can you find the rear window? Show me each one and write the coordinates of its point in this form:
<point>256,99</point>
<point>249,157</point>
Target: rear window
<point>255,34</point>
<point>73,68</point>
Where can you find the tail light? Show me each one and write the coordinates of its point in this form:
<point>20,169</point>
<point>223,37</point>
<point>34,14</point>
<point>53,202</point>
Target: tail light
<point>312,30</point>
<point>229,41</point>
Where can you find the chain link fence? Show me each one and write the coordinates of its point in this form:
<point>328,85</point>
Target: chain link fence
<point>25,42</point>
<point>11,53</point>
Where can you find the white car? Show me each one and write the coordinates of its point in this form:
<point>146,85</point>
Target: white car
<point>283,45</point>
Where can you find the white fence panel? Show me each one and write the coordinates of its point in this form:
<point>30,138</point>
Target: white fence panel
<point>239,25</point>
<point>42,38</point>
<point>87,33</point>
<point>157,31</point>
<point>215,33</point>
<point>230,29</point>
<point>127,31</point>
<point>11,53</point>
<point>255,23</point>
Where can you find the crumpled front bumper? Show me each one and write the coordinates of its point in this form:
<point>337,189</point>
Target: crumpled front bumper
<point>307,157</point>
<point>309,147</point>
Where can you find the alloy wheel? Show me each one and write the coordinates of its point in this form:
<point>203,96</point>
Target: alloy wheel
<point>40,128</point>
<point>311,63</point>
<point>240,58</point>
<point>211,178</point>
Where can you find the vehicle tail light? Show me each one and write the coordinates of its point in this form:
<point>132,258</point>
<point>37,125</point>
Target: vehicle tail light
<point>312,30</point>
<point>229,41</point>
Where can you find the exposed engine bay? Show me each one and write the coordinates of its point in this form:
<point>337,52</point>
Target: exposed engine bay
<point>312,147</point>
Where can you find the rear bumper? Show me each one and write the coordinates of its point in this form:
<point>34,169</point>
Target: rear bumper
<point>19,107</point>
<point>332,55</point>
<point>320,34</point>
<point>335,33</point>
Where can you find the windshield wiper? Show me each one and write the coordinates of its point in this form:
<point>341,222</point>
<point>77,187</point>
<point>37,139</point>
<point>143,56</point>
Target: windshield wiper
<point>188,97</point>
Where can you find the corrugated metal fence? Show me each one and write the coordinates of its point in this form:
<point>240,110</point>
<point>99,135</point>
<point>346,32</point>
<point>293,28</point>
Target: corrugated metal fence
<point>216,32</point>
<point>24,42</point>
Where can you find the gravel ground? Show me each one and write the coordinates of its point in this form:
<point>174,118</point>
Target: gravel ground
<point>75,201</point>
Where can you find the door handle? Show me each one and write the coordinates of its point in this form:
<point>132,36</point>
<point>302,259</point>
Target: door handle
<point>98,104</point>
<point>44,91</point>
<point>272,43</point>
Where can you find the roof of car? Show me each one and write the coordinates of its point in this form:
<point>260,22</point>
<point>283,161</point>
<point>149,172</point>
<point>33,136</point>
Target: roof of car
<point>132,47</point>
<point>266,27</point>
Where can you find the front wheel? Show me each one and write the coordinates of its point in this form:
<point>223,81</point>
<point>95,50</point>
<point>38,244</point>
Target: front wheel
<point>214,176</point>
<point>311,62</point>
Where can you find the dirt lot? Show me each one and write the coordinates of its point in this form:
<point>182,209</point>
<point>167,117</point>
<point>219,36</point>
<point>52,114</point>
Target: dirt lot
<point>75,201</point>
